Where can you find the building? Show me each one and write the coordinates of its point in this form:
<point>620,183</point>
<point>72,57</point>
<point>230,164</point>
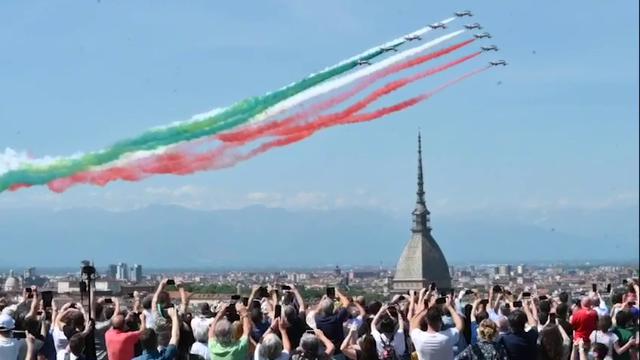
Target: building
<point>12,283</point>
<point>136,273</point>
<point>504,270</point>
<point>122,271</point>
<point>520,269</point>
<point>422,262</point>
<point>112,271</point>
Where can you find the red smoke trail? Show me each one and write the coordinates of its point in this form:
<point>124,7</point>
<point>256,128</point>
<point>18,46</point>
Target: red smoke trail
<point>182,163</point>
<point>254,131</point>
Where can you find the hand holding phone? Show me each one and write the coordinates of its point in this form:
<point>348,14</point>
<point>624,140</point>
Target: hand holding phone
<point>331,292</point>
<point>171,282</point>
<point>517,304</point>
<point>441,301</point>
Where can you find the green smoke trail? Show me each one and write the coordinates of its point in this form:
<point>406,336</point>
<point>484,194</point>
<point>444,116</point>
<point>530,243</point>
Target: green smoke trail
<point>235,115</point>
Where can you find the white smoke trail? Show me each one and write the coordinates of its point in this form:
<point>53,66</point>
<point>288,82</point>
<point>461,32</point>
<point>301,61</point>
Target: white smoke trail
<point>347,79</point>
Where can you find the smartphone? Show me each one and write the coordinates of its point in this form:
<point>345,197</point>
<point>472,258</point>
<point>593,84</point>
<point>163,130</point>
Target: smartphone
<point>235,298</point>
<point>594,287</point>
<point>108,301</point>
<point>507,292</point>
<point>432,286</point>
<point>245,301</point>
<point>517,304</point>
<point>278,311</point>
<point>543,297</point>
<point>73,306</point>
<point>310,332</point>
<point>497,289</point>
<point>285,287</point>
<point>171,282</point>
<point>47,299</point>
<point>526,294</point>
<point>331,292</point>
<point>19,334</point>
<point>468,292</point>
<point>28,290</point>
<point>625,281</point>
<point>484,301</point>
<point>609,288</point>
<point>130,295</point>
<point>441,300</point>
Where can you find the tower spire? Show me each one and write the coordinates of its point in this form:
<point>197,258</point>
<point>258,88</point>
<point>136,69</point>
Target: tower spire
<point>420,213</point>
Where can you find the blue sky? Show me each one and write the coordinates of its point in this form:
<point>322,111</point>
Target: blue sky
<point>560,131</point>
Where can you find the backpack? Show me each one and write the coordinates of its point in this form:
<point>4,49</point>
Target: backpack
<point>388,351</point>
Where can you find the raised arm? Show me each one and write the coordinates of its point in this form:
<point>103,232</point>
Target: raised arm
<point>286,342</point>
<point>219,315</point>
<point>347,346</point>
<point>175,326</point>
<point>329,348</point>
<point>378,317</point>
<point>246,320</point>
<point>474,308</point>
<point>344,300</point>
<point>156,295</point>
<point>116,307</point>
<point>254,290</point>
<point>184,299</point>
<point>412,304</point>
<point>298,297</point>
<point>531,319</point>
<point>454,314</point>
<point>415,321</point>
<point>33,309</point>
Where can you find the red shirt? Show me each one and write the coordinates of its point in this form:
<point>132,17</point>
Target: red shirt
<point>120,344</point>
<point>584,321</point>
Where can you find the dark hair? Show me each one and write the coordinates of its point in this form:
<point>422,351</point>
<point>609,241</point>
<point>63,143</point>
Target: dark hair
<point>149,340</point>
<point>543,317</point>
<point>601,350</point>
<point>517,320</point>
<point>604,323</point>
<point>374,307</point>
<point>256,315</point>
<point>368,348</point>
<point>481,315</point>
<point>466,331</point>
<point>562,310</point>
<point>616,297</point>
<point>147,301</point>
<point>76,344</point>
<point>564,297</point>
<point>623,318</point>
<point>108,313</point>
<point>545,306</point>
<point>387,325</point>
<point>434,317</point>
<point>550,343</point>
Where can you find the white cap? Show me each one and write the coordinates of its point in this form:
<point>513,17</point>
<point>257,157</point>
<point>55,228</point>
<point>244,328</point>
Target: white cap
<point>6,322</point>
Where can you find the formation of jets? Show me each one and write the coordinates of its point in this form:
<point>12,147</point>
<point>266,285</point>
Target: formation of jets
<point>473,26</point>
<point>438,26</point>
<point>463,13</point>
<point>363,62</point>
<point>489,48</point>
<point>412,37</point>
<point>389,48</point>
<point>498,62</point>
<point>482,35</point>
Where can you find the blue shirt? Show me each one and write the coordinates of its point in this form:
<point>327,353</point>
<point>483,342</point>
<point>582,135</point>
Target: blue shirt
<point>169,353</point>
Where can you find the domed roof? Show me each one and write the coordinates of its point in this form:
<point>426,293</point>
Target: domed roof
<point>12,283</point>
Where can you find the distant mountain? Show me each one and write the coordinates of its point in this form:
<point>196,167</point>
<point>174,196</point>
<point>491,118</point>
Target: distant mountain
<point>171,236</point>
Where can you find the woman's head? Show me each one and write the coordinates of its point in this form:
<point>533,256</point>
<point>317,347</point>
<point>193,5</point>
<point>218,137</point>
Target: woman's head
<point>388,325</point>
<point>623,318</point>
<point>368,347</point>
<point>270,348</point>
<point>551,342</point>
<point>487,330</point>
<point>600,350</point>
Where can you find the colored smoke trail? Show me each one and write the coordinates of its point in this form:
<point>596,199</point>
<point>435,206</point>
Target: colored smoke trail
<point>350,78</point>
<point>227,155</point>
<point>254,131</point>
<point>33,173</point>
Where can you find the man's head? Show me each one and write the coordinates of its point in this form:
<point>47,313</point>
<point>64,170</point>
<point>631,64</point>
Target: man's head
<point>562,311</point>
<point>564,297</point>
<point>147,301</point>
<point>388,325</point>
<point>326,307</point>
<point>224,332</point>
<point>503,324</point>
<point>290,313</point>
<point>119,323</point>
<point>270,348</point>
<point>205,310</point>
<point>434,318</point>
<point>517,320</point>
<point>481,315</point>
<point>149,340</point>
<point>585,302</point>
<point>623,318</point>
<point>256,315</point>
<point>604,323</point>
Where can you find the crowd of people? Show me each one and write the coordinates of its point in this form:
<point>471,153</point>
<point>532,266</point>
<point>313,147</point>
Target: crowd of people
<point>275,323</point>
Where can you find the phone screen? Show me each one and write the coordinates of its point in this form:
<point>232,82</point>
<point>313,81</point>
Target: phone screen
<point>432,286</point>
<point>108,301</point>
<point>609,288</point>
<point>497,289</point>
<point>19,334</point>
<point>441,300</point>
<point>171,282</point>
<point>594,287</point>
<point>278,311</point>
<point>245,301</point>
<point>285,287</point>
<point>331,292</point>
<point>47,298</point>
<point>517,304</point>
<point>526,294</point>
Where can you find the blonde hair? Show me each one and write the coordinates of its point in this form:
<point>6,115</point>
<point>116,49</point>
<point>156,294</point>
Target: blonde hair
<point>487,330</point>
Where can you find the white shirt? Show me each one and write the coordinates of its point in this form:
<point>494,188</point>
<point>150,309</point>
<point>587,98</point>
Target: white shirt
<point>607,339</point>
<point>201,349</point>
<point>60,342</point>
<point>435,345</point>
<point>398,342</point>
<point>10,348</point>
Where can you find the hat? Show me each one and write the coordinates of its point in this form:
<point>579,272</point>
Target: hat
<point>7,322</point>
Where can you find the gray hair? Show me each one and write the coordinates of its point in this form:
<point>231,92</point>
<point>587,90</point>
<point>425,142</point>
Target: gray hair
<point>309,346</point>
<point>224,332</point>
<point>326,307</point>
<point>270,348</point>
<point>200,330</point>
